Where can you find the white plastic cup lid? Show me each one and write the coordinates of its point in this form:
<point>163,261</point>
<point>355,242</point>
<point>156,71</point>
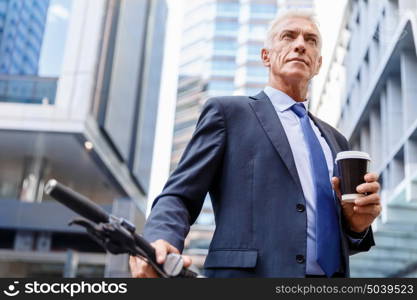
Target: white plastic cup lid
<point>352,154</point>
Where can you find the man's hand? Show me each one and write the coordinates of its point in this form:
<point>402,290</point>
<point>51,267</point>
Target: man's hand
<point>364,210</point>
<point>141,269</point>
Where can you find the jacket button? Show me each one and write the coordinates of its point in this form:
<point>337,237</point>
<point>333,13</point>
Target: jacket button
<point>300,258</point>
<point>300,207</point>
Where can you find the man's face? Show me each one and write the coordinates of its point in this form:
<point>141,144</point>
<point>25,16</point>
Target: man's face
<point>295,54</point>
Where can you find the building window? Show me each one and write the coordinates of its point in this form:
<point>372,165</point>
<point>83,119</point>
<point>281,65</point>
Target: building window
<point>226,27</point>
<point>221,65</point>
<point>221,86</point>
<point>263,9</point>
<point>228,7</point>
<point>225,47</point>
<point>257,71</point>
<point>258,31</point>
<point>33,51</point>
<point>186,124</point>
<point>254,50</point>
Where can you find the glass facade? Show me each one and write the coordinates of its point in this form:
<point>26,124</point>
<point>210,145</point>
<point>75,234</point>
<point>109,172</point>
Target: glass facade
<point>32,39</point>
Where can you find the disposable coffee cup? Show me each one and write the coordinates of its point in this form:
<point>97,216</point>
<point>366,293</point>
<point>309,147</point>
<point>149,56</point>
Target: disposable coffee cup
<point>352,166</point>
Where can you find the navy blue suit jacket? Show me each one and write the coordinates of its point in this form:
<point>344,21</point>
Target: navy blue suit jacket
<point>240,154</point>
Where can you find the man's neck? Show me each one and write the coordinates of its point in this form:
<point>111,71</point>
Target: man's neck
<point>296,90</point>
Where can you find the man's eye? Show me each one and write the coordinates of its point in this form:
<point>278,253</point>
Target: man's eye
<point>287,36</point>
<point>312,40</point>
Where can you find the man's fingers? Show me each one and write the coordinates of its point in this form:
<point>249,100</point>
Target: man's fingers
<point>172,249</point>
<point>160,251</point>
<point>134,269</point>
<point>141,269</point>
<point>335,182</point>
<point>336,186</point>
<point>187,261</point>
<point>347,205</point>
<point>371,187</point>
<point>374,210</point>
<point>149,271</point>
<point>367,200</point>
<point>370,177</point>
<point>162,248</point>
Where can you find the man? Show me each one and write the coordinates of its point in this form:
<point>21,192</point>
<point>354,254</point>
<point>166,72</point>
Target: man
<point>267,164</point>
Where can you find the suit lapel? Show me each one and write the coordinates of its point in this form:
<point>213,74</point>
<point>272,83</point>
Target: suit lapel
<point>269,120</point>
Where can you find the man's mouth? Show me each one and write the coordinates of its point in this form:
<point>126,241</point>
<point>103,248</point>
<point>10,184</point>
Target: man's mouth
<point>299,60</point>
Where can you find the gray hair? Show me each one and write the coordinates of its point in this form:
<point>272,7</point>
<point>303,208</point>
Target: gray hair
<point>286,14</point>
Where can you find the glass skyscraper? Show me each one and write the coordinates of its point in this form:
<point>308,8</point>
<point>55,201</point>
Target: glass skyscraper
<point>22,26</point>
<point>22,29</point>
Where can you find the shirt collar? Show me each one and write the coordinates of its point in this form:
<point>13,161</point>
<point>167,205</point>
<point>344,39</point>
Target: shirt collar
<point>280,100</point>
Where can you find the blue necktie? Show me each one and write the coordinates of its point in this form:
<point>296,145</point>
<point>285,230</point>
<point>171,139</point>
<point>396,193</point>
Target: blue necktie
<point>327,224</point>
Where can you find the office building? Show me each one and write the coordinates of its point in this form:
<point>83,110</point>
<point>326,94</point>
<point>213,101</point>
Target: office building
<point>370,92</point>
<point>96,136</point>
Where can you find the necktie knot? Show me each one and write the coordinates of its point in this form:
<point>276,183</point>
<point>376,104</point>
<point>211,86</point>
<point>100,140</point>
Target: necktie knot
<point>299,109</point>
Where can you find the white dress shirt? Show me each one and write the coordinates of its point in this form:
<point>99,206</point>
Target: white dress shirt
<point>292,127</point>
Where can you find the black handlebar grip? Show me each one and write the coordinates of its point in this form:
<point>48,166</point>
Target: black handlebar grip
<point>76,202</point>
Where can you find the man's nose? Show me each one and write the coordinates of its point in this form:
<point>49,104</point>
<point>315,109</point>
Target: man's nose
<point>299,45</point>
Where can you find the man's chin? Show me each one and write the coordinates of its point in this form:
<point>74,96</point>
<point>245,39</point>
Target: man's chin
<point>296,76</point>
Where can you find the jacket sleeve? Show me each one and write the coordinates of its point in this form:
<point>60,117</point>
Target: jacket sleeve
<point>359,242</point>
<point>180,203</point>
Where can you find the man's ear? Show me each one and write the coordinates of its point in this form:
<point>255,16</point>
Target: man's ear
<point>266,60</point>
<point>318,67</point>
